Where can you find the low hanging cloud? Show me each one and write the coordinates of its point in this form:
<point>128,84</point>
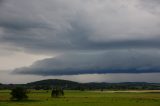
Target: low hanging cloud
<point>99,63</point>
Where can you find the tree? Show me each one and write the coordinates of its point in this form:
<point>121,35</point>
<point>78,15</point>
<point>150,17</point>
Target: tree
<point>57,92</point>
<point>19,93</point>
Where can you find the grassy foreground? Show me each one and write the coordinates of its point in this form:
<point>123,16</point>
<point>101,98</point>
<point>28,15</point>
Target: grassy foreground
<point>85,98</point>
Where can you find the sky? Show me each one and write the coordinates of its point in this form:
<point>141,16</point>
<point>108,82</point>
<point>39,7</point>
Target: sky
<point>80,40</point>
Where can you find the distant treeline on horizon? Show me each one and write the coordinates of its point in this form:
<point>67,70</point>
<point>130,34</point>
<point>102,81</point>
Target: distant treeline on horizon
<point>70,85</point>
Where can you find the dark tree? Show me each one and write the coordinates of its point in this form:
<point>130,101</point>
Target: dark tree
<point>101,89</point>
<point>57,92</point>
<point>19,93</point>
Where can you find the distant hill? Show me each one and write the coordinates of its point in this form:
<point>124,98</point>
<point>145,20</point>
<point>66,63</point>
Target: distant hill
<point>51,83</point>
<point>71,85</point>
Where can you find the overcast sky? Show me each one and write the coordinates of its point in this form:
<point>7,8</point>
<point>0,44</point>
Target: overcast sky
<point>80,40</point>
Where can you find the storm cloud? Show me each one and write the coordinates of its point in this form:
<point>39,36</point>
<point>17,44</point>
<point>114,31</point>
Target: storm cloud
<point>58,25</point>
<point>85,36</point>
<point>99,63</point>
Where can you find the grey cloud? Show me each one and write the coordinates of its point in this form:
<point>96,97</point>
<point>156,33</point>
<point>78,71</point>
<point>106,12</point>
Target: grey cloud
<point>115,61</point>
<point>100,36</point>
<point>151,5</point>
<point>1,1</point>
<point>130,77</point>
<point>83,26</point>
<point>22,25</point>
<point>55,26</point>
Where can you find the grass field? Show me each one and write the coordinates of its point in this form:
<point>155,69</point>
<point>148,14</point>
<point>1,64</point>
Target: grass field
<point>86,98</point>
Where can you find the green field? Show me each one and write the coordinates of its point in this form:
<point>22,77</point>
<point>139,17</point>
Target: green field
<point>85,98</point>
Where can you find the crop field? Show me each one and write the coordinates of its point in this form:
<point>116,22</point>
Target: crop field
<point>85,98</point>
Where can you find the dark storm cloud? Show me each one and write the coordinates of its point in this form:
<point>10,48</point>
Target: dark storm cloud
<point>84,26</point>
<point>53,26</point>
<point>99,63</point>
<point>1,1</point>
<point>21,25</point>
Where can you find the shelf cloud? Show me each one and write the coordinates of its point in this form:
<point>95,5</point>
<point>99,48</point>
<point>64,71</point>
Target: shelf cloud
<point>81,36</point>
<point>99,63</point>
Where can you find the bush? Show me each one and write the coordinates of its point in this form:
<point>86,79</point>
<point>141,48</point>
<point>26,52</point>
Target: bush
<point>19,93</point>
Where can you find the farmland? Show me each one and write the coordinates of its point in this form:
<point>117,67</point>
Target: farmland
<point>85,98</point>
